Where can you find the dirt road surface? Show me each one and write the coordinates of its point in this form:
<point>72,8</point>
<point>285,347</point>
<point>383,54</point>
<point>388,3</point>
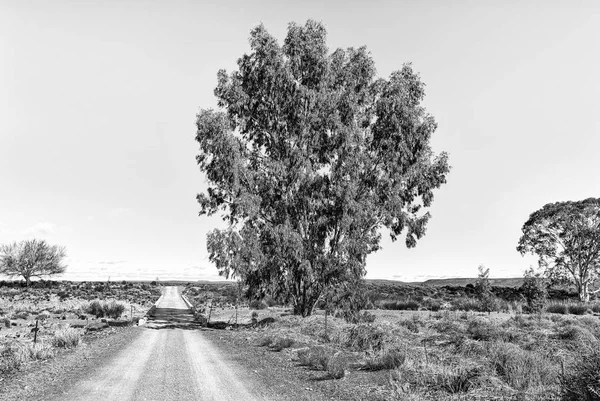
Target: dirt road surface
<point>169,360</point>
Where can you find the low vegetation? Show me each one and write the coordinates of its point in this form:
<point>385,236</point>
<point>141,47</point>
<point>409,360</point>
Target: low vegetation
<point>447,354</point>
<point>64,313</point>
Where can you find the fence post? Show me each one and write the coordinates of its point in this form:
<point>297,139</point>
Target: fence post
<point>35,332</point>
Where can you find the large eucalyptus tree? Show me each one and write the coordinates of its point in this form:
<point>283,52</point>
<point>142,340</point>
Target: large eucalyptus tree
<point>309,157</point>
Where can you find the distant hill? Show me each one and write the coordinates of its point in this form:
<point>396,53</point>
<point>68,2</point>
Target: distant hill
<point>498,282</point>
<point>459,282</point>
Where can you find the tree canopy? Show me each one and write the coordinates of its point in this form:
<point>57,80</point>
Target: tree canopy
<point>31,258</point>
<point>566,238</point>
<point>308,158</point>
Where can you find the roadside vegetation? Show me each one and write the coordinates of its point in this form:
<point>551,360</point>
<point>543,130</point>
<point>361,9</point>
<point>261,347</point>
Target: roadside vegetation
<point>40,319</point>
<point>527,342</point>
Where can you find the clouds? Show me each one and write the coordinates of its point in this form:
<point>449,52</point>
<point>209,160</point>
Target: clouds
<point>42,229</point>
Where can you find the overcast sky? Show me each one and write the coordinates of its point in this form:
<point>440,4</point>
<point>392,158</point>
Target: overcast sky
<point>98,101</point>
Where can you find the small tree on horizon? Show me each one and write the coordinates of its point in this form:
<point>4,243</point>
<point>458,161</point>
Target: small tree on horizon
<point>31,258</point>
<point>483,289</point>
<point>534,290</point>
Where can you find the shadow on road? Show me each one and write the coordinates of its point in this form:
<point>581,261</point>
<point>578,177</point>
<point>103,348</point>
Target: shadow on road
<point>176,318</point>
<point>173,318</point>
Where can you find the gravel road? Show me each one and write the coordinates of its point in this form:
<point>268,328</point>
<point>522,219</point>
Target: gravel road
<point>169,360</point>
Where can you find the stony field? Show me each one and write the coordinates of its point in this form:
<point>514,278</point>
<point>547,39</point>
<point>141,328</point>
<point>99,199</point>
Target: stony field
<point>65,315</point>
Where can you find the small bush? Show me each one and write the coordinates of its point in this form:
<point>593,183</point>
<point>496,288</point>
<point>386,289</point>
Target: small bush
<point>433,305</point>
<point>258,304</point>
<point>485,330</point>
<point>337,365</point>
<point>365,337</point>
<point>400,305</point>
<point>11,359</point>
<point>388,359</point>
<point>265,341</point>
<point>20,315</point>
<point>66,337</point>
<point>114,309</point>
<point>577,309</point>
<point>100,309</point>
<point>534,290</point>
<point>411,324</point>
<point>39,351</point>
<point>576,333</point>
<point>582,380</point>
<point>355,317</point>
<point>316,357</point>
<point>557,308</point>
<point>521,369</point>
<point>457,379</point>
<point>95,308</point>
<point>6,322</point>
<point>281,342</point>
<point>449,378</point>
<point>465,304</point>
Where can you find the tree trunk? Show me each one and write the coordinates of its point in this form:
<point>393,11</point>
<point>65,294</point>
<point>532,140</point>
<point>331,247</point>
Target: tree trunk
<point>303,308</point>
<point>27,281</point>
<point>584,294</point>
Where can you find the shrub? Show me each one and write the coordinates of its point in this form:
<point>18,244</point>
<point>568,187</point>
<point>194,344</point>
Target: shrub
<point>355,317</point>
<point>39,351</point>
<point>389,359</point>
<point>66,337</point>
<point>100,309</point>
<point>365,337</point>
<point>337,365</point>
<point>557,308</point>
<point>449,378</point>
<point>433,305</point>
<point>114,309</point>
<point>281,342</point>
<point>483,291</point>
<point>258,304</point>
<point>534,290</point>
<point>6,322</point>
<point>521,369</point>
<point>576,333</point>
<point>457,379</point>
<point>582,382</point>
<point>400,305</point>
<point>316,357</point>
<point>481,329</point>
<point>595,307</point>
<point>265,341</point>
<point>465,304</point>
<point>11,359</point>
<point>20,315</point>
<point>412,324</point>
<point>95,308</point>
<point>577,309</point>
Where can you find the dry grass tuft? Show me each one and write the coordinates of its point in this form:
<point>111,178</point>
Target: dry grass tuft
<point>388,359</point>
<point>522,369</point>
<point>66,337</point>
<point>316,357</point>
<point>337,365</point>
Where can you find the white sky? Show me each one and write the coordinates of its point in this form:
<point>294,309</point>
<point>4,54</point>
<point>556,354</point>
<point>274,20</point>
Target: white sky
<point>98,103</point>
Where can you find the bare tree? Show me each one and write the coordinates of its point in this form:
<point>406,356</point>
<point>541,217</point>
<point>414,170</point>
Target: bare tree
<point>31,258</point>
